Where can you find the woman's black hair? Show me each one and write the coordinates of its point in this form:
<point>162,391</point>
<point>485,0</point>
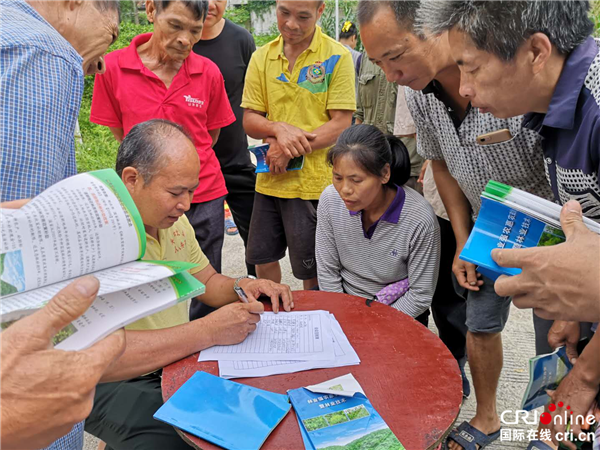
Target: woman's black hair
<point>372,150</point>
<point>348,30</point>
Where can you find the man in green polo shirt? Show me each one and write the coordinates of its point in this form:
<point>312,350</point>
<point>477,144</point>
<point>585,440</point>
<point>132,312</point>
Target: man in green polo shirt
<point>159,165</point>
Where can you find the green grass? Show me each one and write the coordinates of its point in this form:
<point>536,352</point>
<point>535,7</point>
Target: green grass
<point>99,147</point>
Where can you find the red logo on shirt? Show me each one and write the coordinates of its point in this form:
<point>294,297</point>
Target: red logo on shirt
<point>194,102</point>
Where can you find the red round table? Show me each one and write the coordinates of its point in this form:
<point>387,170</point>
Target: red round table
<point>407,373</point>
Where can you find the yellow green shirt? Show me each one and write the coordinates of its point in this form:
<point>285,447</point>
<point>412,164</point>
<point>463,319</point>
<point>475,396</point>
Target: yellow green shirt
<point>176,243</point>
<point>322,79</point>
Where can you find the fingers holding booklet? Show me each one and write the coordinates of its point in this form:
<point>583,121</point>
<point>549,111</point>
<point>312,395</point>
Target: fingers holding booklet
<point>64,382</point>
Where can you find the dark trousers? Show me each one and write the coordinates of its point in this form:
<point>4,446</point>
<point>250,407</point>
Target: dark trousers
<point>122,416</point>
<point>208,220</point>
<point>449,309</point>
<point>240,185</point>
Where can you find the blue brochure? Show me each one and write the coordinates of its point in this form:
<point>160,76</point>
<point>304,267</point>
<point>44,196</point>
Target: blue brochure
<point>500,226</point>
<point>335,422</point>
<point>226,413</point>
<point>260,151</point>
<point>545,372</point>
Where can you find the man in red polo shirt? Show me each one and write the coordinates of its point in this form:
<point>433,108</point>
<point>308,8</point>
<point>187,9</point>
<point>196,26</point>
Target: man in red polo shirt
<point>159,77</point>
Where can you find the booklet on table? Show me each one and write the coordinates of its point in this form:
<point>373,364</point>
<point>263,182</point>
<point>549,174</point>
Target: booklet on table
<point>335,422</point>
<point>226,413</point>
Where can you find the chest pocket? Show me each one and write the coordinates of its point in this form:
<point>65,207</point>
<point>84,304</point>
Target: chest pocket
<point>366,89</point>
<point>523,165</point>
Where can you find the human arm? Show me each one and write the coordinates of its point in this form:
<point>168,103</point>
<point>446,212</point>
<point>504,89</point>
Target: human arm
<point>117,133</point>
<point>565,334</point>
<point>214,135</point>
<point>44,392</point>
<point>149,350</point>
<point>328,259</point>
<point>454,200</point>
<point>577,390</point>
<point>321,137</point>
<point>327,134</point>
<point>292,140</point>
<point>218,111</point>
<point>106,108</point>
<point>219,290</point>
<point>561,281</point>
<point>459,212</point>
<point>423,268</point>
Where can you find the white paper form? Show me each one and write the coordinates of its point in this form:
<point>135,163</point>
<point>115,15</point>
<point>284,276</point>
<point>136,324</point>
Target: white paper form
<point>302,335</point>
<point>344,356</point>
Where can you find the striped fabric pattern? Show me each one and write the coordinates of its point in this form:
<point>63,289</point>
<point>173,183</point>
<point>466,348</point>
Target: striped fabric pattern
<point>349,262</point>
<point>41,87</point>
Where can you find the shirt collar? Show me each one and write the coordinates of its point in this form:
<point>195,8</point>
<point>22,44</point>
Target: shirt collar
<point>392,213</point>
<point>130,59</point>
<point>562,108</point>
<point>276,47</point>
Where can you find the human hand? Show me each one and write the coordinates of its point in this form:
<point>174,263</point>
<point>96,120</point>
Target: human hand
<point>465,272</point>
<point>565,334</point>
<point>232,323</point>
<point>422,172</point>
<point>254,288</point>
<point>293,141</point>
<point>560,281</point>
<point>577,393</point>
<point>276,158</point>
<point>44,392</point>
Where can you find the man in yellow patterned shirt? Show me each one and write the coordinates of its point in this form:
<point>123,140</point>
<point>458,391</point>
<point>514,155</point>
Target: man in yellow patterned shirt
<point>159,165</point>
<point>298,97</point>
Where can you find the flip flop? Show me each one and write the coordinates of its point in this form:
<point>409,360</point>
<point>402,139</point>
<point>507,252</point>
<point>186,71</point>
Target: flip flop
<point>230,227</point>
<point>469,437</point>
<point>538,445</point>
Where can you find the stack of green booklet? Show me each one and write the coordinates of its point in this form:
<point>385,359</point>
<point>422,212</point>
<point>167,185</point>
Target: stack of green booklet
<point>86,224</point>
<point>512,218</point>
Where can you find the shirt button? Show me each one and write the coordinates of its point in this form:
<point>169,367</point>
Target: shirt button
<point>548,160</point>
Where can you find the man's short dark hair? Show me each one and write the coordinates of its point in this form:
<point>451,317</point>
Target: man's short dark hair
<point>501,27</point>
<point>198,7</point>
<point>404,11</point>
<point>143,147</point>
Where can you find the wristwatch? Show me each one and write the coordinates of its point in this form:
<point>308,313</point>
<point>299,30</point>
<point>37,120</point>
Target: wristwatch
<point>238,290</point>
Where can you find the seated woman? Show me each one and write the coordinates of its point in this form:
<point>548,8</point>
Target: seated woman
<point>375,238</point>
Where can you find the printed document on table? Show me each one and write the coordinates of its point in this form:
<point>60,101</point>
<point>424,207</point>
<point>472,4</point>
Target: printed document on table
<point>344,356</point>
<point>301,335</point>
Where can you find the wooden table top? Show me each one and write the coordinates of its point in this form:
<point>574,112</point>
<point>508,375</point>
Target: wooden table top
<point>407,373</point>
